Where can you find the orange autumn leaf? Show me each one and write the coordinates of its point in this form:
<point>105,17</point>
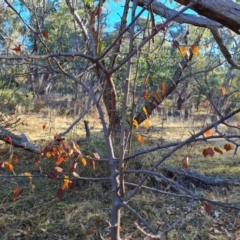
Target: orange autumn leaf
<point>146,95</point>
<point>17,192</point>
<point>14,159</point>
<point>224,90</point>
<point>194,49</point>
<point>93,165</point>
<point>9,166</point>
<point>208,133</point>
<point>59,160</point>
<point>27,174</point>
<point>83,160</point>
<point>217,149</point>
<point>227,147</point>
<point>145,111</point>
<point>45,34</point>
<point>147,124</point>
<point>163,87</point>
<point>183,50</point>
<point>140,139</point>
<point>66,182</point>
<point>135,123</point>
<point>75,147</point>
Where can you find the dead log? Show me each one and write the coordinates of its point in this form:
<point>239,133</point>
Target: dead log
<point>20,141</point>
<point>188,175</point>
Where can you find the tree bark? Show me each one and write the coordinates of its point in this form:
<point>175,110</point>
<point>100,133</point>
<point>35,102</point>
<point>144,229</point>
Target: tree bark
<point>225,12</point>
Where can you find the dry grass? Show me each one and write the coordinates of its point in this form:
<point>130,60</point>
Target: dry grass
<point>86,210</point>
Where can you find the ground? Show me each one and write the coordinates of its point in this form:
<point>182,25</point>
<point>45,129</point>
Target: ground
<point>86,210</point>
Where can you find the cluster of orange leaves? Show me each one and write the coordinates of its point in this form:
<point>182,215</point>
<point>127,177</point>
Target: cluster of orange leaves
<point>61,152</point>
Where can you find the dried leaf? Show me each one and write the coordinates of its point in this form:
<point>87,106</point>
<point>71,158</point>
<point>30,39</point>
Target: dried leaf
<point>145,111</point>
<point>185,162</point>
<point>60,194</point>
<point>75,147</point>
<point>52,175</point>
<point>227,147</point>
<point>75,175</point>
<point>44,126</point>
<point>163,87</point>
<point>208,207</point>
<point>210,195</point>
<point>58,170</point>
<point>146,95</point>
<point>66,182</point>
<point>194,49</point>
<point>135,123</point>
<point>93,165</point>
<point>27,174</point>
<point>83,160</point>
<point>8,139</point>
<point>224,90</point>
<point>73,166</point>
<point>94,155</point>
<point>37,160</point>
<point>45,34</point>
<point>17,192</point>
<point>9,166</point>
<point>205,152</point>
<point>183,50</point>
<point>140,139</point>
<point>14,159</point>
<point>59,160</point>
<point>17,49</point>
<point>208,133</point>
<point>145,81</point>
<point>210,151</point>
<point>217,149</point>
<point>2,165</point>
<point>147,124</point>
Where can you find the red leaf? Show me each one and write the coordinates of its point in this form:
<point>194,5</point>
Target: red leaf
<point>205,152</point>
<point>52,175</point>
<point>227,147</point>
<point>210,151</point>
<point>14,159</point>
<point>8,139</point>
<point>207,207</point>
<point>60,194</point>
<point>17,49</point>
<point>44,126</point>
<point>17,192</point>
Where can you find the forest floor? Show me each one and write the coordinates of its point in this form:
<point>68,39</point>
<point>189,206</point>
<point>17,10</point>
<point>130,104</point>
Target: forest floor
<point>85,212</point>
